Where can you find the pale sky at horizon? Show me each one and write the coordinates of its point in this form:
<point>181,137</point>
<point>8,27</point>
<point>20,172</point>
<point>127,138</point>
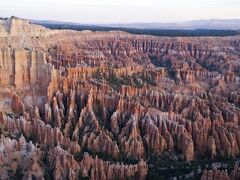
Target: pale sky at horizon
<point>121,11</point>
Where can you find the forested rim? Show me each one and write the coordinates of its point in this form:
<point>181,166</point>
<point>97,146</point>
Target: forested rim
<point>155,32</point>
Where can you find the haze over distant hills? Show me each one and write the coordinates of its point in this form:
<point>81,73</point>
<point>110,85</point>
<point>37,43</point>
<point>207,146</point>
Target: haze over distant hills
<point>233,24</point>
<point>230,24</point>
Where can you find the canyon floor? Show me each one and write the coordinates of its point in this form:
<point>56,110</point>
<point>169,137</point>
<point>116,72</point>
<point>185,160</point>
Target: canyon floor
<point>112,105</point>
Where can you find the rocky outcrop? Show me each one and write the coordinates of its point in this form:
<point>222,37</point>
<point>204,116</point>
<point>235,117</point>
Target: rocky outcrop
<point>38,131</point>
<point>218,174</point>
<point>235,174</point>
<point>24,69</point>
<point>99,169</point>
<point>65,167</point>
<point>17,104</point>
<point>215,174</point>
<point>16,27</point>
<point>12,155</point>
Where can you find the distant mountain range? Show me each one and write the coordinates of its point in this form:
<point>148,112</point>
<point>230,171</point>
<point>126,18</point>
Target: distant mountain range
<point>218,24</point>
<point>229,24</point>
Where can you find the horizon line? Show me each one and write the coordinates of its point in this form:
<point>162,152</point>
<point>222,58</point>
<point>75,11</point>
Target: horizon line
<point>127,23</point>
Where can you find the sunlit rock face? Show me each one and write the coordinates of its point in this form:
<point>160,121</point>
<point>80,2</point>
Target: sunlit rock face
<point>102,105</point>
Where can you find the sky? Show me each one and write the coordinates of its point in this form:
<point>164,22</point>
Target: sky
<point>121,11</point>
